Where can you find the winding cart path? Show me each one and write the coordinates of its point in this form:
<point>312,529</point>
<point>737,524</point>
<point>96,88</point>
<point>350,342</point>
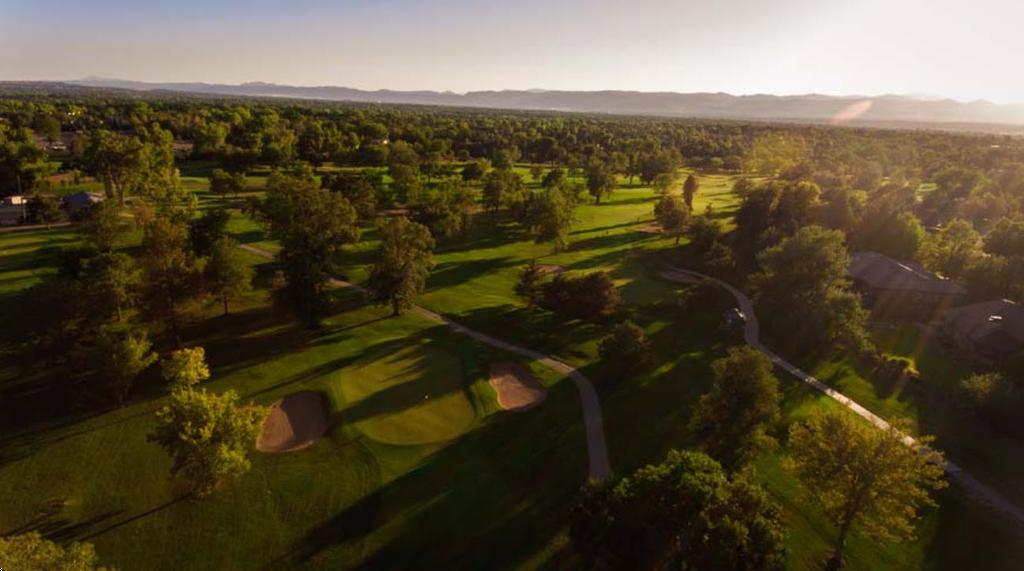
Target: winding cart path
<point>597,448</point>
<point>751,333</point>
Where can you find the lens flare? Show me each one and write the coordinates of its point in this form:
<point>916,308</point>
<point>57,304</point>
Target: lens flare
<point>851,112</point>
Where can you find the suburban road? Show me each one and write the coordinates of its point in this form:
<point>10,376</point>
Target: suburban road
<point>597,448</point>
<point>751,334</point>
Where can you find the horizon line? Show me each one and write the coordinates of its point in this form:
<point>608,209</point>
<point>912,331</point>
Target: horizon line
<point>925,97</point>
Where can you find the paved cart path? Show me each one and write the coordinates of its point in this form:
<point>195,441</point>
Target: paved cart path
<point>751,334</point>
<point>597,448</point>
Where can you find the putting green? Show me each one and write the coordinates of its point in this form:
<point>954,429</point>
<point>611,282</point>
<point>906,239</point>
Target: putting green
<point>415,395</point>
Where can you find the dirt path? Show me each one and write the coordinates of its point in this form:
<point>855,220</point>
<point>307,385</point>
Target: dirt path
<point>751,334</point>
<point>597,448</point>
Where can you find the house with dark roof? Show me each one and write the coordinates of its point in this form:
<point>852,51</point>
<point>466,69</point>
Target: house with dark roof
<point>79,202</point>
<point>898,290</point>
<point>989,330</point>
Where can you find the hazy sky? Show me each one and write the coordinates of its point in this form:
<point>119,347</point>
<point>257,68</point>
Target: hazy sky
<point>965,49</point>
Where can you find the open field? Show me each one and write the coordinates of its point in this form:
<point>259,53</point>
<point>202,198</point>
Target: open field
<point>416,439</point>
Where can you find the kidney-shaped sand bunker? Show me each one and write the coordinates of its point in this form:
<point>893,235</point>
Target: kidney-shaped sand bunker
<point>294,422</point>
<point>516,386</point>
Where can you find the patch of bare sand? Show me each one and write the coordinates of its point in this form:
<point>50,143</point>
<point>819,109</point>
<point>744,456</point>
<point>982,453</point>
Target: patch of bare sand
<point>294,422</point>
<point>652,228</point>
<point>518,390</point>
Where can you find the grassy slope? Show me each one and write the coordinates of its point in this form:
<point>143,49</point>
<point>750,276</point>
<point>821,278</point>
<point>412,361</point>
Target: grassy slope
<point>344,498</point>
<point>491,498</point>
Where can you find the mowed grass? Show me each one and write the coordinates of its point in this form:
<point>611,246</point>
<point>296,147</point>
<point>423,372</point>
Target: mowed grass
<point>410,409</point>
<point>419,469</point>
<point>26,256</point>
<point>933,406</point>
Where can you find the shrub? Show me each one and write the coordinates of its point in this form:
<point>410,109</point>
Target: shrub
<point>628,348</point>
<point>587,297</point>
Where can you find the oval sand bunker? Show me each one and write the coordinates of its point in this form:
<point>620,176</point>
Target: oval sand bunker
<point>517,388</point>
<point>294,422</point>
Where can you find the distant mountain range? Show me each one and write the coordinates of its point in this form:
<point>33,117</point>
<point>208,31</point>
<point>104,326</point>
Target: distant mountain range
<point>886,109</point>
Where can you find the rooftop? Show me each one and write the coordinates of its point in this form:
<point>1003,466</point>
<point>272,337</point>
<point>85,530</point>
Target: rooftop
<point>882,272</point>
<point>997,322</point>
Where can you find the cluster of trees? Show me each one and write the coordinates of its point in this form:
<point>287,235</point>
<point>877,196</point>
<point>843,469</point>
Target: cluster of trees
<point>865,184</point>
<point>104,305</point>
<point>685,513</point>
<point>22,163</point>
<point>975,216</point>
<point>31,551</point>
<point>703,510</point>
<point>587,297</point>
<point>312,226</point>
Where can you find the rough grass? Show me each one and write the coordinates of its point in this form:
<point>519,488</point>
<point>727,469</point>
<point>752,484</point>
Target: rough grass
<point>402,481</point>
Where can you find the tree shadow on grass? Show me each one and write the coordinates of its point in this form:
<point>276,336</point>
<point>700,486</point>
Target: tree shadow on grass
<point>964,534</point>
<point>579,231</point>
<point>136,517</point>
<point>607,241</point>
<point>493,498</point>
<point>452,274</point>
<point>485,234</point>
<point>62,529</point>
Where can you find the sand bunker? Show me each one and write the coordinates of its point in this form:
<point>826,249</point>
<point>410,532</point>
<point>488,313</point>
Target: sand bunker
<point>295,422</point>
<point>550,268</point>
<point>652,228</point>
<point>516,386</point>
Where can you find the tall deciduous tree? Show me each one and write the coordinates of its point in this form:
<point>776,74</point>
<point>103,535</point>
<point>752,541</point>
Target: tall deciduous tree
<point>403,263</point>
<point>628,348</point>
<point>803,294</point>
<point>22,162</point>
<point>664,182</point>
<point>893,233</point>
<point>103,227</point>
<point>550,216</point>
<point>952,249</point>
<point>169,273</point>
<point>528,287</point>
<point>185,368</point>
<point>600,180</point>
<point>115,159</point>
<point>223,182</point>
<point>672,215</point>
<point>503,189</point>
<point>359,189</point>
<point>313,226</point>
<point>228,275</point>
<point>115,279</point>
<point>120,356</point>
<point>208,436</point>
<point>207,229</point>
<point>863,476</point>
<point>735,420</point>
<point>690,188</point>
